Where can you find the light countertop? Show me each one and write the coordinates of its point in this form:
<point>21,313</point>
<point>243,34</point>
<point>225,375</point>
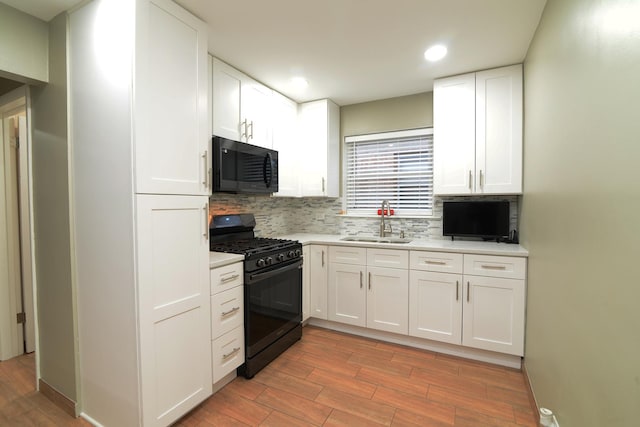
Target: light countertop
<point>459,246</point>
<point>219,259</point>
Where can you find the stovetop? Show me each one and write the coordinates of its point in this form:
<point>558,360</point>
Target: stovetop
<point>234,234</point>
<point>252,246</point>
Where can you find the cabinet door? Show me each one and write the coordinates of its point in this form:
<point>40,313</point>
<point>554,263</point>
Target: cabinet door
<point>317,264</point>
<point>454,134</point>
<point>319,145</point>
<point>174,305</point>
<point>285,119</point>
<point>227,84</point>
<point>388,299</point>
<point>256,113</point>
<point>170,105</point>
<point>499,131</point>
<point>493,314</point>
<point>347,294</point>
<point>435,306</point>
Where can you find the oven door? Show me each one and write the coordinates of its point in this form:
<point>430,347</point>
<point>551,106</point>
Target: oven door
<point>273,305</point>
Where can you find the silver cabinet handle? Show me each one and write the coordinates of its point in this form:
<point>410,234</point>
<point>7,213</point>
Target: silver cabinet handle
<point>226,313</point>
<point>470,180</point>
<point>323,258</point>
<point>369,280</point>
<point>323,184</point>
<point>228,355</point>
<point>243,125</point>
<point>467,291</point>
<point>457,286</point>
<point>230,278</point>
<point>204,178</point>
<point>480,178</point>
<point>493,267</point>
<point>428,261</point>
<point>205,208</point>
<point>250,136</point>
<point>361,280</point>
<point>207,171</point>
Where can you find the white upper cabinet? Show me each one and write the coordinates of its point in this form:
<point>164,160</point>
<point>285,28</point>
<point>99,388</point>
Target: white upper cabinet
<point>319,140</point>
<point>478,132</point>
<point>241,106</point>
<point>285,118</point>
<point>170,106</point>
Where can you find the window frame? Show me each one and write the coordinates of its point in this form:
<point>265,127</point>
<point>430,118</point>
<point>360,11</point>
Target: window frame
<point>418,132</point>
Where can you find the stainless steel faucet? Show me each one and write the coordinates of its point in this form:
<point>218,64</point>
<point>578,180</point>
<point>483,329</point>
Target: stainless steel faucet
<point>385,228</point>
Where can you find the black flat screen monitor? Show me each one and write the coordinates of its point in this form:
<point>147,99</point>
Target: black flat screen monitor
<point>488,220</point>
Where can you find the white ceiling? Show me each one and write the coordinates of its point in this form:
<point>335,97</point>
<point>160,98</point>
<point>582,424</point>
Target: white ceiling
<point>354,50</point>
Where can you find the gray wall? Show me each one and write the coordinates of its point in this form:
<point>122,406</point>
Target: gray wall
<point>580,211</point>
<point>24,50</point>
<point>51,220</point>
<point>405,112</point>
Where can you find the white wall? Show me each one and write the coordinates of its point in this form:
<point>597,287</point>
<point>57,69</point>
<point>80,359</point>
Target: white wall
<point>51,221</point>
<point>580,209</point>
<point>24,46</point>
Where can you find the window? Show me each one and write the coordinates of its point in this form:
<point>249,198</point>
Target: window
<point>394,166</point>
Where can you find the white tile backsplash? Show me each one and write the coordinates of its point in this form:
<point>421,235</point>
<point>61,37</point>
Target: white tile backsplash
<point>276,216</point>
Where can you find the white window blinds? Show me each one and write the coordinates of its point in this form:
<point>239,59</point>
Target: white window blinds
<point>394,166</point>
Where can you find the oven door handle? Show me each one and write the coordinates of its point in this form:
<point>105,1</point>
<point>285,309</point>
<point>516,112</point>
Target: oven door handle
<point>268,274</point>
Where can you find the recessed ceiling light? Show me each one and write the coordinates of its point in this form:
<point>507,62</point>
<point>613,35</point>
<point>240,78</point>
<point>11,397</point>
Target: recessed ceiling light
<point>435,53</point>
<point>299,83</point>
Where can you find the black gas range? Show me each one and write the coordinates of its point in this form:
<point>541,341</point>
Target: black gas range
<point>272,288</point>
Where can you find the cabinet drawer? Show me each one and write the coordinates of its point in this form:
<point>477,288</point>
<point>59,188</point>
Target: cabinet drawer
<point>392,258</point>
<point>228,353</point>
<point>495,266</point>
<point>347,255</point>
<point>226,277</point>
<point>227,311</point>
<point>442,262</point>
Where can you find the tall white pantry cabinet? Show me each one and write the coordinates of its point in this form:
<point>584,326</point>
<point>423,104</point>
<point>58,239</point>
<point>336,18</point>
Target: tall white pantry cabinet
<point>139,196</point>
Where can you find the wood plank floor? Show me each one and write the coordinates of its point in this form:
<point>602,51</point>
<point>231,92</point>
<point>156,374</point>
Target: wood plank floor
<point>334,379</point>
<point>326,379</point>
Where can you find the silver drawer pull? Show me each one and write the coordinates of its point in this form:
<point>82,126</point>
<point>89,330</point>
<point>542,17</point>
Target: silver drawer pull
<point>233,352</point>
<point>233,310</point>
<point>230,278</point>
<point>494,267</point>
<point>428,261</point>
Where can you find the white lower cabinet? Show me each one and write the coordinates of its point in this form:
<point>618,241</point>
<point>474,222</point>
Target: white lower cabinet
<point>368,295</point>
<point>227,319</point>
<point>317,265</point>
<point>435,306</point>
<point>306,283</point>
<point>479,302</point>
<point>494,303</point>
<point>347,294</point>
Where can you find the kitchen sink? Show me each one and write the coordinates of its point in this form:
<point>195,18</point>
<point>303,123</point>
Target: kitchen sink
<point>375,239</point>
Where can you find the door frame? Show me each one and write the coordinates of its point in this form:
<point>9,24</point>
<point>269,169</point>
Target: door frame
<point>11,104</point>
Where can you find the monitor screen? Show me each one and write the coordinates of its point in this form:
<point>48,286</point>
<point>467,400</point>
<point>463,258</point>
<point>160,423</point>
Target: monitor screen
<point>488,220</point>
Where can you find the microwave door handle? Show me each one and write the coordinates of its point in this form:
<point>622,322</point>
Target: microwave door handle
<point>268,161</point>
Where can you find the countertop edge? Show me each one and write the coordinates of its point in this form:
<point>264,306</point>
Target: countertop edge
<point>458,246</point>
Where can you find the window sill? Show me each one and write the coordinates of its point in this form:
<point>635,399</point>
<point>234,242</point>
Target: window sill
<point>347,215</point>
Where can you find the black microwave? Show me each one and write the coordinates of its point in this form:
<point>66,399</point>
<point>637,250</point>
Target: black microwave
<point>239,167</point>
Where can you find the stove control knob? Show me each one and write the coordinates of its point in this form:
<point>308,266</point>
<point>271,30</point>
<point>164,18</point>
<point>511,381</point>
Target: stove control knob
<point>291,254</point>
<point>298,252</point>
<point>280,257</point>
<point>261,262</point>
<point>269,260</point>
